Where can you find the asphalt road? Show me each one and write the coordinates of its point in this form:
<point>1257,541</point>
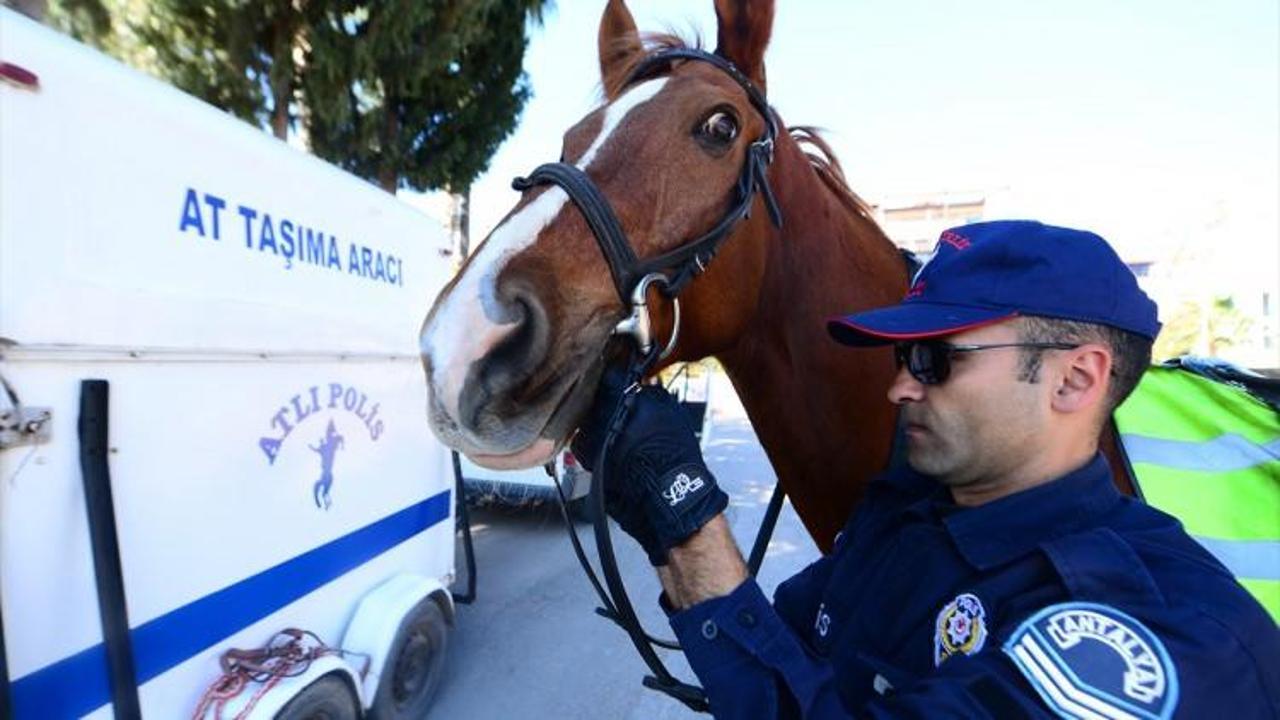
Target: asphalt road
<point>531,645</point>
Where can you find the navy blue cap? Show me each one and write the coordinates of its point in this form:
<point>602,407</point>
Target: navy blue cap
<point>984,273</point>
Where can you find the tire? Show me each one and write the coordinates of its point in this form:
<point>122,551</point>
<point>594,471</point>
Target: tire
<point>414,665</point>
<point>329,698</point>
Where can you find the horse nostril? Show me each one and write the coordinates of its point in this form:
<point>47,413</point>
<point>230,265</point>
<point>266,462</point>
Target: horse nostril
<point>514,358</point>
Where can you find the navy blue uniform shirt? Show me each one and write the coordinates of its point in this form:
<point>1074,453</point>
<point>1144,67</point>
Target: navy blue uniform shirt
<point>1066,599</point>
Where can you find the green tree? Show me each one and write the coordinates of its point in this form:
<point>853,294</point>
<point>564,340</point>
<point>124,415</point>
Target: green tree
<point>239,55</point>
<point>1205,328</point>
<point>404,93</point>
<point>416,93</point>
<point>108,25</point>
<point>88,21</point>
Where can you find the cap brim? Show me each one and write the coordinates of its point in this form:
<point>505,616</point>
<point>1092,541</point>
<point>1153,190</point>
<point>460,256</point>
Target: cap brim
<point>910,321</point>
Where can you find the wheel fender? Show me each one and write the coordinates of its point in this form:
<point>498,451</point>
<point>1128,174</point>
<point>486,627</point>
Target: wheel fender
<point>287,688</point>
<point>378,617</point>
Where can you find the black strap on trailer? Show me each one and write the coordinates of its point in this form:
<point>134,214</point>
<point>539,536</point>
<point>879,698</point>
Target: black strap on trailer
<point>92,429</point>
<point>5,712</point>
<point>464,524</point>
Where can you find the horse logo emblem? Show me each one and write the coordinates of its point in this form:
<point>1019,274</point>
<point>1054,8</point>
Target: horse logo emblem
<point>961,627</point>
<point>681,487</point>
<point>293,417</point>
<point>327,449</point>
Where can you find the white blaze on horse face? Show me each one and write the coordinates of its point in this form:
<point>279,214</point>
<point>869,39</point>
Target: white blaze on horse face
<point>615,114</point>
<point>469,321</point>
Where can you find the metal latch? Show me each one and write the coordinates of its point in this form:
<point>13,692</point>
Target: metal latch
<point>25,426</point>
<point>21,424</point>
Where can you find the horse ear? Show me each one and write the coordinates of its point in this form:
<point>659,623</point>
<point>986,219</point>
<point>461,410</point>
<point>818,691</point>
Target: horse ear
<point>744,27</point>
<point>619,43</point>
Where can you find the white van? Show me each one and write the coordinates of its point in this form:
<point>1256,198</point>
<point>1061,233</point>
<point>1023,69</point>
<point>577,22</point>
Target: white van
<point>212,423</point>
<point>531,486</point>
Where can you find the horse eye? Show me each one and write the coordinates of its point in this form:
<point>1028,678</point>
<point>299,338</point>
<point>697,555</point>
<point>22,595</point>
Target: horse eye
<point>720,127</point>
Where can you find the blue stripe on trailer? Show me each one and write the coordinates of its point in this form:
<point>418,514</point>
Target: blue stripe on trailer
<point>77,684</point>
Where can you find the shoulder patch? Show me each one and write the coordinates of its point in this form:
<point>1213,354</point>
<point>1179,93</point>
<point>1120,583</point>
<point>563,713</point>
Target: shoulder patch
<point>1092,661</point>
<point>961,627</point>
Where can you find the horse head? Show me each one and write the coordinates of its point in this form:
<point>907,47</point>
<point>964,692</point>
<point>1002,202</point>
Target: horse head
<point>514,346</point>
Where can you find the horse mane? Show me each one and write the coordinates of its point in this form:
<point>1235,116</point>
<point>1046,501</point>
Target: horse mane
<point>823,161</point>
<point>670,40</point>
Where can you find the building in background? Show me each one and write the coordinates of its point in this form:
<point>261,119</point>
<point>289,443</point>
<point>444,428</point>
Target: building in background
<point>913,221</point>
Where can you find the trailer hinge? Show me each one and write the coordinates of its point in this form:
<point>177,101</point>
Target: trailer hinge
<point>25,426</point>
<point>20,424</point>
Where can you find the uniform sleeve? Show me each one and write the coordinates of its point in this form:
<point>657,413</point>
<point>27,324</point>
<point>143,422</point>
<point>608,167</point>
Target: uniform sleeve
<point>751,663</point>
<point>749,655</point>
<point>1085,659</point>
<point>981,686</point>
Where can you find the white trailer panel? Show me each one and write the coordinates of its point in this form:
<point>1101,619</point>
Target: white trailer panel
<point>255,313</point>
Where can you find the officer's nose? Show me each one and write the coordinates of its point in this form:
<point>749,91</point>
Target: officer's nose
<point>905,388</point>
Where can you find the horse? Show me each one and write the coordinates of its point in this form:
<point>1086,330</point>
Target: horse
<point>327,449</point>
<point>514,345</point>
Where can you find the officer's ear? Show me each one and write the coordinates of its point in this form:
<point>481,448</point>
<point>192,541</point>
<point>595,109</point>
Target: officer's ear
<point>1083,379</point>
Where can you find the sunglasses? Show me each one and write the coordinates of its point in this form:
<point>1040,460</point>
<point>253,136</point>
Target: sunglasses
<point>929,361</point>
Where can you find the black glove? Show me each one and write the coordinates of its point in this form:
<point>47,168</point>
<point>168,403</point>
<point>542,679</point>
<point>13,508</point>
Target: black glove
<point>657,486</point>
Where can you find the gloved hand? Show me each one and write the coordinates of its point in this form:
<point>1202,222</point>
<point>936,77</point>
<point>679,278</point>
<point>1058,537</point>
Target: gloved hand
<point>657,486</point>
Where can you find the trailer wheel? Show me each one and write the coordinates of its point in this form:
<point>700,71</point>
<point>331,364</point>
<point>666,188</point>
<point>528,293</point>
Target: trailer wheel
<point>329,698</point>
<point>414,665</point>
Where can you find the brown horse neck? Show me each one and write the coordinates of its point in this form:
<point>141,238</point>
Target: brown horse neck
<point>819,408</point>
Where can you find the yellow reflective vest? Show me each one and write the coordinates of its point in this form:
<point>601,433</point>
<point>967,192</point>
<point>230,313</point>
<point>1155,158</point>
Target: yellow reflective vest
<point>1208,453</point>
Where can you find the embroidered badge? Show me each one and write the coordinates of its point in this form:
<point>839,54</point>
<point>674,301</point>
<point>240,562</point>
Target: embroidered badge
<point>822,622</point>
<point>1093,661</point>
<point>961,627</point>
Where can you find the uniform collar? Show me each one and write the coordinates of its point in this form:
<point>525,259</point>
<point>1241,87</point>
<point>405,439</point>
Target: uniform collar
<point>1005,529</point>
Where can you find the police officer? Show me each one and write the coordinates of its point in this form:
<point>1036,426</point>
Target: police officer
<point>997,573</point>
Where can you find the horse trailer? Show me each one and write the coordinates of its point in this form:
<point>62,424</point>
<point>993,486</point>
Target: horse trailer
<point>219,496</point>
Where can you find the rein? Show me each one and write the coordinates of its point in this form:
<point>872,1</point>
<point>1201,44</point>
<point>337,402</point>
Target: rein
<point>632,277</point>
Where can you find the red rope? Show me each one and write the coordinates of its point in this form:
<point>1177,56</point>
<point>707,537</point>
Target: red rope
<point>289,653</point>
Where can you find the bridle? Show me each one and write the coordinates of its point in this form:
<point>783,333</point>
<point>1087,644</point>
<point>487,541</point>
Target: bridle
<point>673,270</point>
<point>632,277</point>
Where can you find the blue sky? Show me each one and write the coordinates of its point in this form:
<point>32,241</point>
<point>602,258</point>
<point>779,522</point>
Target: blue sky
<point>1156,123</point>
